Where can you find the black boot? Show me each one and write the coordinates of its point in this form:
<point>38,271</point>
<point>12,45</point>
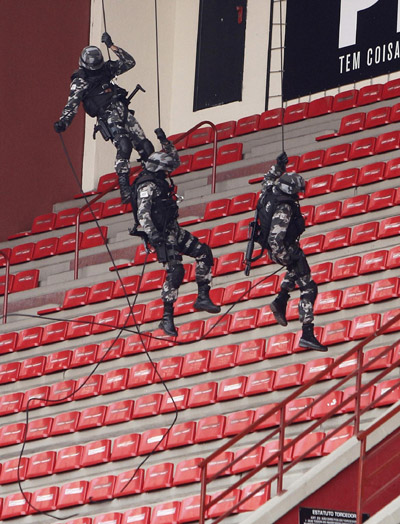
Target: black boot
<point>308,339</point>
<point>204,302</point>
<point>278,307</point>
<point>124,188</point>
<point>167,322</point>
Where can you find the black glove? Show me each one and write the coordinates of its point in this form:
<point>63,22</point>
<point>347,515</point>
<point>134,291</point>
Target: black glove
<point>59,126</point>
<point>161,135</point>
<point>106,39</point>
<point>281,162</point>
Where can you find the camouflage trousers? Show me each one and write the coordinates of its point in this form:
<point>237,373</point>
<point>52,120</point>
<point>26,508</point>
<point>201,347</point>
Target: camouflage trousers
<point>123,125</point>
<point>181,242</point>
<point>299,274</point>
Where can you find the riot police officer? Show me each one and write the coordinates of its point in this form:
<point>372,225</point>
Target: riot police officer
<point>155,208</point>
<point>92,84</point>
<point>281,226</point>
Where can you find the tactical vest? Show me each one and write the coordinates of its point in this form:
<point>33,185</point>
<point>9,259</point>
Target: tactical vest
<point>101,90</point>
<point>266,207</point>
<point>164,208</point>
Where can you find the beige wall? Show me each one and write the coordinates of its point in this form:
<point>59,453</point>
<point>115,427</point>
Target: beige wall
<point>131,24</point>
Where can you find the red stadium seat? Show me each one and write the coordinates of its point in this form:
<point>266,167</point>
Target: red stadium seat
<point>45,248</point>
<point>195,363</point>
<point>229,263</point>
<point>94,237</point>
<point>345,100</point>
<point>231,388</point>
<point>336,332</point>
<point>272,447</point>
<point>320,106</point>
<point>319,185</point>
<point>323,406</point>
<point>202,394</point>
<point>61,392</point>
<point>113,207</point>
<point>200,136</point>
<point>8,342</point>
<point>226,130</point>
<point>29,337</point>
<point>108,518</point>
<point>22,253</point>
<point>352,123</point>
<point>392,169</point>
<point>305,444</point>
<point>66,217</point>
<point>344,179</point>
<point>337,239</point>
<point>210,428</point>
<point>260,382</point>
<point>337,439</point>
<point>322,273</point>
<point>355,296</point>
<point>158,476</point>
<point>296,112</point>
<point>311,160</point>
<point>9,470</point>
<point>181,435</point>
<point>369,94</point>
<point>24,280</point>
<point>75,297</point>
<point>278,345</point>
<point>238,421</point>
<point>328,301</point>
<point>327,212</point>
<point>355,205</point>
<point>362,148</point>
<point>43,223</point>
<point>371,173</point>
<point>262,286</point>
<point>271,118</point>
<point>222,235</point>
<point>101,488</point>
<point>125,446</point>
<point>223,357</point>
<point>346,367</point>
<point>16,505</point>
<point>120,411</point>
<point>389,227</point>
<point>242,203</point>
<point>312,244</point>
<point>382,199</point>
<point>336,154</point>
<point>55,332</point>
<point>35,398</point>
<point>29,368</point>
<point>110,350</point>
<point>258,499</point>
<point>236,292</point>
<point>248,461</point>
<point>72,494</point>
<point>247,124</point>
<point>314,367</point>
<point>364,325</point>
<point>190,332</point>
<point>91,418</point>
<point>378,117</point>
<point>365,398</point>
<point>166,513</point>
<point>216,209</point>
<point>265,317</point>
<point>185,166</point>
<point>114,380</point>
<point>387,142</point>
<point>39,428</point>
<point>41,464</point>
<point>242,230</point>
<point>105,321</point>
<point>296,406</point>
<point>45,499</point>
<point>147,405</point>
<point>377,358</point>
<point>152,280</point>
<point>394,113</point>
<point>366,232</point>
<point>96,453</point>
<point>243,320</point>
<point>384,289</point>
<point>100,292</point>
<point>129,483</point>
<point>202,159</point>
<point>68,459</point>
<point>94,211</point>
<point>84,355</point>
<point>224,504</point>
<point>88,386</point>
<point>80,327</point>
<point>12,434</point>
<point>152,440</point>
<point>220,461</point>
<point>168,369</point>
<point>10,372</point>
<point>65,423</point>
<point>374,261</point>
<point>58,361</point>
<point>187,471</point>
<point>140,515</point>
<point>217,326</point>
<point>189,510</point>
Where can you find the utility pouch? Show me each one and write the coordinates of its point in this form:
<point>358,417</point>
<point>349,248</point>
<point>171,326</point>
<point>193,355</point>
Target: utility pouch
<point>161,250</point>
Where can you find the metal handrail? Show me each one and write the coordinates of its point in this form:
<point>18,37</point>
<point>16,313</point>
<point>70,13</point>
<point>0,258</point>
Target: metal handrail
<point>5,300</point>
<point>280,430</point>
<point>105,192</point>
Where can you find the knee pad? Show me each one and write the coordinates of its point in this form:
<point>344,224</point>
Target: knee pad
<point>175,273</point>
<point>124,147</point>
<point>145,148</point>
<point>203,252</point>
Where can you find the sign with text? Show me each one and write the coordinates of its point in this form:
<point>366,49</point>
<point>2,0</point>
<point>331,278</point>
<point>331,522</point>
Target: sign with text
<point>328,516</point>
<point>330,43</point>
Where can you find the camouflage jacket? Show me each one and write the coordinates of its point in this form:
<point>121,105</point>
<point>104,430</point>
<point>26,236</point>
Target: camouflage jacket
<point>166,160</point>
<point>79,86</point>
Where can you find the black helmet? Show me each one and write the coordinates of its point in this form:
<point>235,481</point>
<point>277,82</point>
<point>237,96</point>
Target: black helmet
<point>91,58</point>
<point>291,183</point>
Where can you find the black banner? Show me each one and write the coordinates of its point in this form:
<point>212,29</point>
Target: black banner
<point>330,43</point>
<point>328,516</point>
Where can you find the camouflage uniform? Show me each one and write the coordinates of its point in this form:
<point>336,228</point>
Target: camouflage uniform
<point>290,255</point>
<point>120,121</point>
<point>178,241</point>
